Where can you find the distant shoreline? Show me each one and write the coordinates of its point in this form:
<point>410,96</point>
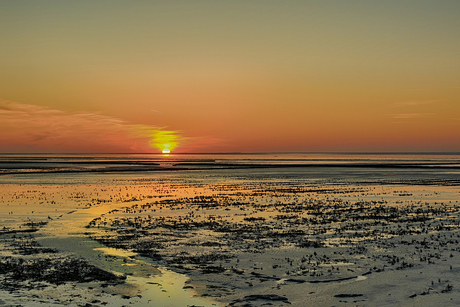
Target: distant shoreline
<point>123,163</point>
<point>422,153</point>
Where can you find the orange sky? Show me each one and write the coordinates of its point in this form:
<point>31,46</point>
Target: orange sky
<point>230,76</point>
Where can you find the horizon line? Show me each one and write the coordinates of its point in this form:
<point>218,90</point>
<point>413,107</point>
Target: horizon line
<point>246,153</point>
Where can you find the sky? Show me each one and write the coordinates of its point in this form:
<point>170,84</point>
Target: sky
<point>229,76</point>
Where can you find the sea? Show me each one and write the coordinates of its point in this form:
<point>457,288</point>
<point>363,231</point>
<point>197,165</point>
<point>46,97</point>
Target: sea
<point>384,167</point>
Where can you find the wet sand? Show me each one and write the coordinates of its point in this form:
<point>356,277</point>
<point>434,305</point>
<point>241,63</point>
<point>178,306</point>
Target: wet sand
<point>230,238</point>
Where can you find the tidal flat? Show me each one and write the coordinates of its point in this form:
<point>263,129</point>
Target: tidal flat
<point>286,234</point>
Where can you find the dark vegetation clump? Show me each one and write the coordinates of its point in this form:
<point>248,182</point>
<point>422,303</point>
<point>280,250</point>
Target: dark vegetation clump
<point>55,270</point>
<point>32,262</point>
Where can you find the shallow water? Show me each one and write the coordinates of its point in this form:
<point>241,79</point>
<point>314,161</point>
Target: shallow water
<point>148,284</point>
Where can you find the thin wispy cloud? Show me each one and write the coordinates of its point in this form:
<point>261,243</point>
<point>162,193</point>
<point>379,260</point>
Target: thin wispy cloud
<point>415,103</point>
<point>45,129</point>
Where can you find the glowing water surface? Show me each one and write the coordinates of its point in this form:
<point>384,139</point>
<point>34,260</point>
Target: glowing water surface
<point>146,283</point>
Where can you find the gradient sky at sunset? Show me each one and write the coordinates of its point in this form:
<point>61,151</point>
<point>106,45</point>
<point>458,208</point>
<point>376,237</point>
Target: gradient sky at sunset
<point>230,76</point>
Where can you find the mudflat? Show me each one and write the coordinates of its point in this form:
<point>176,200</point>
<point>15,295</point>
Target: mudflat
<point>229,237</point>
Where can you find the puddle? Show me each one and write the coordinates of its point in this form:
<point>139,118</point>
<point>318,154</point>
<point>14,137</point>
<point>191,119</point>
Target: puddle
<point>115,252</point>
<point>165,290</point>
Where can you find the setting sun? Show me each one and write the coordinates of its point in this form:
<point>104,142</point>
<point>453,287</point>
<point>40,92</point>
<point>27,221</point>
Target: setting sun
<point>165,140</point>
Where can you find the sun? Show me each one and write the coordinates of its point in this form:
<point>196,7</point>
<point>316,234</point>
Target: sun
<point>165,141</point>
